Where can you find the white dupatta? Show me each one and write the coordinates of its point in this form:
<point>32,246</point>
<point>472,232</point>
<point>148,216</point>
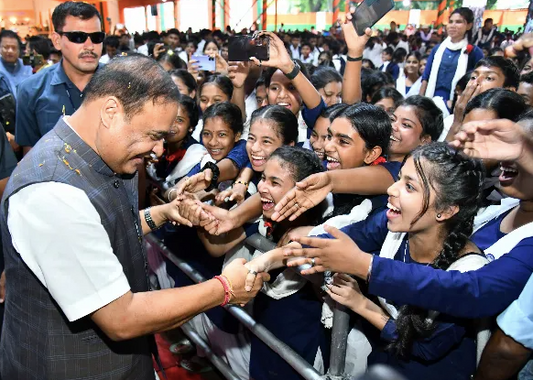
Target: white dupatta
<point>401,86</point>
<point>462,65</point>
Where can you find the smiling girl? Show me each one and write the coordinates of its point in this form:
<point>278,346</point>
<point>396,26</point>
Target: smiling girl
<point>271,127</point>
<point>358,136</point>
<point>500,220</point>
<point>221,134</point>
<point>289,306</point>
<point>319,136</point>
<point>288,85</point>
<point>171,166</point>
<point>434,200</point>
<point>216,89</point>
<point>410,81</point>
<point>416,122</point>
<point>449,61</point>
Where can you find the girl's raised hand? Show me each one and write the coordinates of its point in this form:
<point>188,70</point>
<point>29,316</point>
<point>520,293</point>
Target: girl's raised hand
<point>221,66</point>
<point>501,140</point>
<point>238,72</point>
<point>237,193</point>
<point>305,195</point>
<point>345,290</point>
<point>355,43</point>
<point>278,55</point>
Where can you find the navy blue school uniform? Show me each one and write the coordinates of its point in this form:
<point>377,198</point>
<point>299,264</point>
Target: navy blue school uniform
<point>485,292</point>
<point>295,320</point>
<point>310,115</point>
<point>447,68</point>
<point>238,155</point>
<point>490,233</point>
<point>393,69</point>
<point>448,353</point>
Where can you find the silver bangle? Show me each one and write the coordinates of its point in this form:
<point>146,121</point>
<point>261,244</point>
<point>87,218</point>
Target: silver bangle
<point>169,193</point>
<point>369,272</point>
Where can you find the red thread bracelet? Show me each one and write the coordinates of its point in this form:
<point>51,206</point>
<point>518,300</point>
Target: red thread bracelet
<point>227,289</point>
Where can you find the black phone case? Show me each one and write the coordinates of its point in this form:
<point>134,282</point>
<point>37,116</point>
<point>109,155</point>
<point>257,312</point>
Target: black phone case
<point>369,12</point>
<point>241,48</point>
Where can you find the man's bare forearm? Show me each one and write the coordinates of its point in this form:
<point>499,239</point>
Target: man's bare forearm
<point>502,358</point>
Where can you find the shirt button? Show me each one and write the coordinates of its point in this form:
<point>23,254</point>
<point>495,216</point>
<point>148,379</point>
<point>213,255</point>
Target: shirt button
<point>116,184</point>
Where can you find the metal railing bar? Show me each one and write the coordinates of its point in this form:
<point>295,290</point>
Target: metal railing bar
<point>339,339</point>
<point>220,364</point>
<point>292,358</point>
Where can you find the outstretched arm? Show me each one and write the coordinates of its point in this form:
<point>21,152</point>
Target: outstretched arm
<point>351,85</point>
<point>481,293</point>
<point>238,72</point>
<point>314,189</point>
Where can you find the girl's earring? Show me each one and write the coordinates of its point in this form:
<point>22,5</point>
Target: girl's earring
<point>439,216</point>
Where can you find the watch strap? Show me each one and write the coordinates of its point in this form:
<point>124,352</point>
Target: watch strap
<point>294,71</point>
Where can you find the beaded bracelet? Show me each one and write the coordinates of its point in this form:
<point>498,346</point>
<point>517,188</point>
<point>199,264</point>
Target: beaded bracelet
<point>228,292</point>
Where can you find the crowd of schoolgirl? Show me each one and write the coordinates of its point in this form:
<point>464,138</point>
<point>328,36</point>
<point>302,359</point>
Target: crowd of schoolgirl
<point>267,148</point>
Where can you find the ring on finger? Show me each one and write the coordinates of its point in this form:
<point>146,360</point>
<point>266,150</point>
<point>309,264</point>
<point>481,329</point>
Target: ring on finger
<point>313,262</point>
<point>296,205</point>
<point>251,271</point>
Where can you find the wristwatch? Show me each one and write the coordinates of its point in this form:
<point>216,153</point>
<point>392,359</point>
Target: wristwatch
<point>294,71</point>
<point>148,219</point>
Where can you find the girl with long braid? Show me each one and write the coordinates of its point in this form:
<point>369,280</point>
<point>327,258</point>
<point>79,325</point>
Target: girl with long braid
<point>429,221</point>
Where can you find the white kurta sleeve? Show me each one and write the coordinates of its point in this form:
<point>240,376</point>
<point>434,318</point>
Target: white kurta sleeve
<point>60,236</point>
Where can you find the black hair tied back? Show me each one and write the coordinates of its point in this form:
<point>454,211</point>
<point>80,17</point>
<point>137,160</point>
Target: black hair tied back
<point>457,180</point>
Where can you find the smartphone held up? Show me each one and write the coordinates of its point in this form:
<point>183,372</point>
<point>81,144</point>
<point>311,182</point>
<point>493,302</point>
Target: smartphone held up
<point>205,62</point>
<point>241,48</point>
<point>369,12</point>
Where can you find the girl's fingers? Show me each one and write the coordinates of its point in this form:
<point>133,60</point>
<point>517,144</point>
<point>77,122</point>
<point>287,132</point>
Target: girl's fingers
<point>313,270</point>
<point>315,242</point>
<point>301,252</point>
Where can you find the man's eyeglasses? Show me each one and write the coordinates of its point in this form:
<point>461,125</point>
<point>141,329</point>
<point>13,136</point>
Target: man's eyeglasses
<point>81,37</point>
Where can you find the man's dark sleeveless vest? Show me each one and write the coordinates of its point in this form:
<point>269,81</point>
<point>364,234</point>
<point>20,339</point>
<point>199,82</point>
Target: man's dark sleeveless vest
<point>38,342</point>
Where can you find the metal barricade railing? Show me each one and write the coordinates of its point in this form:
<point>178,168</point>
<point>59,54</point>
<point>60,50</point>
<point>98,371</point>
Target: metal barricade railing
<point>213,358</point>
<point>341,319</point>
<point>288,354</point>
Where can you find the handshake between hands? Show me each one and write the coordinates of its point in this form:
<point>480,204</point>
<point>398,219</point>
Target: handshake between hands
<point>188,210</point>
<point>246,279</point>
